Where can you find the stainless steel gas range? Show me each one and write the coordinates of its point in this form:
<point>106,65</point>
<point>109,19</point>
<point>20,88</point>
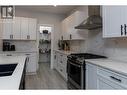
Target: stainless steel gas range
<point>76,69</point>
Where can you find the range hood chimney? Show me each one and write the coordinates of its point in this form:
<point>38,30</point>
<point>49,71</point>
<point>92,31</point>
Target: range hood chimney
<point>94,20</point>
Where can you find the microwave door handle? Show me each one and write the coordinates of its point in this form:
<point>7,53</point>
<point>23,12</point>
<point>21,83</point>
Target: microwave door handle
<point>75,64</point>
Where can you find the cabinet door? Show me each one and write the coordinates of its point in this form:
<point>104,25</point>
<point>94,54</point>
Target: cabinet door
<point>32,29</point>
<point>24,28</point>
<point>16,28</point>
<point>112,21</point>
<point>32,63</point>
<point>91,76</point>
<point>7,28</point>
<point>104,86</point>
<point>55,60</point>
<point>65,27</point>
<point>1,28</point>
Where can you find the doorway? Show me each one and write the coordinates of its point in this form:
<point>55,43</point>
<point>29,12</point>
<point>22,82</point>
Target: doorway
<point>45,44</point>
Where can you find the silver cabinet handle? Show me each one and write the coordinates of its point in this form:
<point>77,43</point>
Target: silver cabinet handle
<point>12,36</point>
<point>54,56</point>
<point>9,55</point>
<point>28,36</point>
<point>27,54</point>
<point>116,79</point>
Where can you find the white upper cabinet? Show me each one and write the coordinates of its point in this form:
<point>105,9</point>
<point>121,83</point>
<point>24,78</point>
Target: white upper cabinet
<point>16,28</point>
<point>114,21</point>
<point>65,32</point>
<point>24,28</point>
<point>68,26</point>
<point>32,28</point>
<point>19,28</point>
<point>7,29</point>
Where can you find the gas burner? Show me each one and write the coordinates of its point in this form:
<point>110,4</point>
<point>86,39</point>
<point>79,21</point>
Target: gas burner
<point>80,57</point>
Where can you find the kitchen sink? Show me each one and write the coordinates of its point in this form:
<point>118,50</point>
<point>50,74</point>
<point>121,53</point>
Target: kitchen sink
<point>7,69</point>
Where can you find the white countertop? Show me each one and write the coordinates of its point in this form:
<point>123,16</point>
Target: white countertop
<point>13,81</point>
<point>114,65</point>
<point>65,52</point>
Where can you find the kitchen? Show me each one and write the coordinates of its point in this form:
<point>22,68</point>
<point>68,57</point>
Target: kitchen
<point>99,50</point>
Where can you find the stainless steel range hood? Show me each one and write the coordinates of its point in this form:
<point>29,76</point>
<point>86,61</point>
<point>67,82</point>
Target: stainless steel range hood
<point>94,20</point>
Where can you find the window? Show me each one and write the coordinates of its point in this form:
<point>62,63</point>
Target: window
<point>7,12</point>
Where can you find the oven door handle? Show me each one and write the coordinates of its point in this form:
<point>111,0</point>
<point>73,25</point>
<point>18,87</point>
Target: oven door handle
<point>75,64</point>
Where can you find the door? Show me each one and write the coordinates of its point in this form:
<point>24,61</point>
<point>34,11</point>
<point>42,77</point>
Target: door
<point>16,28</point>
<point>112,21</point>
<point>7,28</point>
<point>24,28</point>
<point>74,72</point>
<point>91,76</point>
<point>32,29</point>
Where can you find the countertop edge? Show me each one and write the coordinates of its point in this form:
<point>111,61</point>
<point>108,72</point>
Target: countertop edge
<point>109,68</point>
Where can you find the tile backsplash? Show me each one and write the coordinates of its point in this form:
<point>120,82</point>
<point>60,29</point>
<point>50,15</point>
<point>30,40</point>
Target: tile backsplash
<point>24,45</point>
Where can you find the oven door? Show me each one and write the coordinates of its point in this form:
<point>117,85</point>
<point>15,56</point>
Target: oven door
<point>75,74</point>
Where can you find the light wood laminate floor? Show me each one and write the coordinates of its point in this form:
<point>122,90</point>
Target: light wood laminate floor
<point>45,78</point>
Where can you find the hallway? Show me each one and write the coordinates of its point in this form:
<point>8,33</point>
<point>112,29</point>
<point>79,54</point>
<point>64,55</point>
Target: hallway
<point>45,78</point>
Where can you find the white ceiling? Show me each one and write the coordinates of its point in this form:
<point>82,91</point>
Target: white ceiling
<point>49,9</point>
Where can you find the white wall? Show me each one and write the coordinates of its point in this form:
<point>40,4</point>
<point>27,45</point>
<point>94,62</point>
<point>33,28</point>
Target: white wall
<point>25,46</point>
<point>114,48</point>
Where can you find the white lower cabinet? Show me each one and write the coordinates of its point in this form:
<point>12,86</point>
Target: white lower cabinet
<point>102,84</point>
<point>60,60</point>
<point>105,79</point>
<point>91,76</point>
<point>32,63</point>
<point>31,66</point>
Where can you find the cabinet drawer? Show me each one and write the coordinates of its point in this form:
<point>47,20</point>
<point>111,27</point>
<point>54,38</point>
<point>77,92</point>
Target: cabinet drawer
<point>113,76</point>
<point>106,84</point>
<point>62,71</point>
<point>62,59</point>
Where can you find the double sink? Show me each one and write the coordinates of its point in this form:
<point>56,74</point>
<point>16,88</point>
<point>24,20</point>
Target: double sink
<point>7,69</point>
